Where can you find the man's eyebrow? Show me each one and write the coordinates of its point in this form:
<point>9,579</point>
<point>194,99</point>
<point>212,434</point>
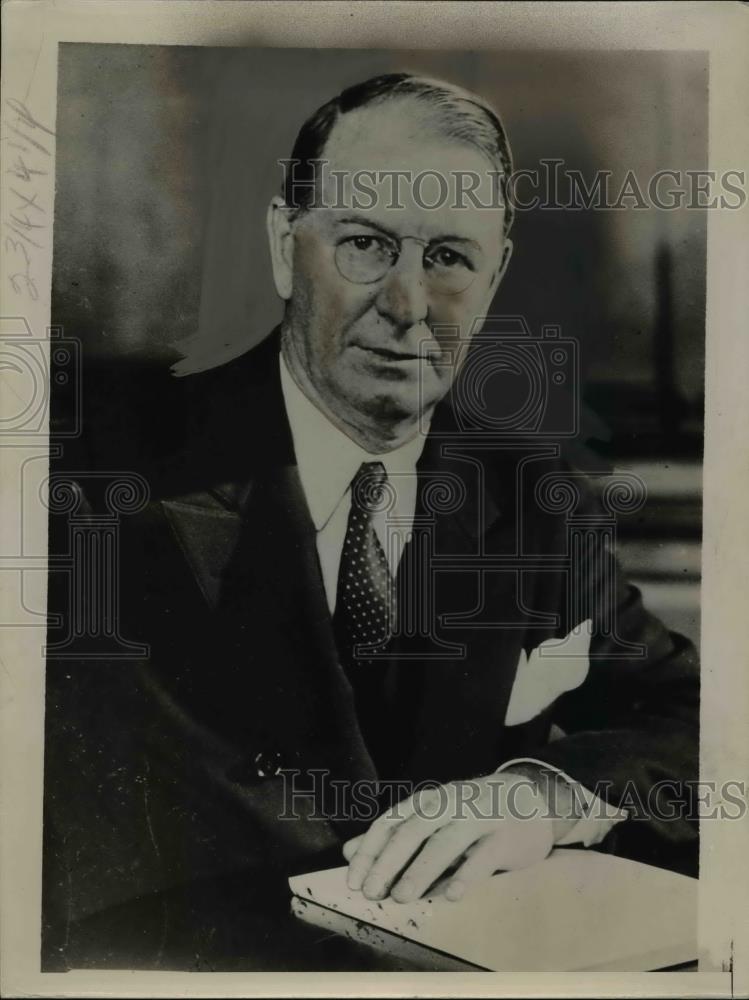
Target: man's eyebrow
<point>361,220</point>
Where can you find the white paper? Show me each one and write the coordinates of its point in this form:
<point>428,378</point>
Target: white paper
<point>553,916</point>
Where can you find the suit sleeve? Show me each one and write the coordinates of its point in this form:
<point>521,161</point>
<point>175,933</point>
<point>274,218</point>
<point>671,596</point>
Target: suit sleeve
<point>631,728</point>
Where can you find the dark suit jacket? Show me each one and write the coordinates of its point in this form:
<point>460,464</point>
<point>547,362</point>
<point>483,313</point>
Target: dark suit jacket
<point>161,768</point>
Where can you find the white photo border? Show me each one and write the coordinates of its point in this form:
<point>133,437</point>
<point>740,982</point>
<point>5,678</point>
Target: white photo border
<point>32,31</point>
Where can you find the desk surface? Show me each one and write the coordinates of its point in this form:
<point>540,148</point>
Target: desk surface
<point>236,923</point>
<point>233,923</point>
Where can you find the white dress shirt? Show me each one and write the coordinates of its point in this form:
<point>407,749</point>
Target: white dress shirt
<point>328,460</point>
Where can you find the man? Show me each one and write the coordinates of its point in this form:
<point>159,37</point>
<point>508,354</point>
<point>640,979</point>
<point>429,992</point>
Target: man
<point>317,489</point>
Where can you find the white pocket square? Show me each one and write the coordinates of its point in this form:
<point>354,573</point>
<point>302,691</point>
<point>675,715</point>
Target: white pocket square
<point>556,666</point>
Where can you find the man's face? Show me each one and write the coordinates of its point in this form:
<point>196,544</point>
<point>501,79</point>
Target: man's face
<point>382,298</point>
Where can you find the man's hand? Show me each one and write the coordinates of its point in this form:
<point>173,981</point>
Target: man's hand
<point>496,822</point>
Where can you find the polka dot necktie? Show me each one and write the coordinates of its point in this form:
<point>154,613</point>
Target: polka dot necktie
<point>365,599</point>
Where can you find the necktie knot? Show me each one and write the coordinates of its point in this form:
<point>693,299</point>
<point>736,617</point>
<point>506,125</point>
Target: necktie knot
<point>371,492</point>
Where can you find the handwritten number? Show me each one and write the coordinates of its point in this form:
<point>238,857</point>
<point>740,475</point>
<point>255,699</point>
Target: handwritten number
<point>25,115</point>
<point>29,283</point>
<point>18,220</point>
<point>16,247</point>
<point>22,172</point>
<point>28,202</point>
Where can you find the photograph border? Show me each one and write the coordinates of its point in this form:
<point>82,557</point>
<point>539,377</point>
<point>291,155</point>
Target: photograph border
<point>32,31</point>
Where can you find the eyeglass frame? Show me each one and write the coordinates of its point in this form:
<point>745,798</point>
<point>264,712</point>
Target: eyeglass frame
<point>397,242</point>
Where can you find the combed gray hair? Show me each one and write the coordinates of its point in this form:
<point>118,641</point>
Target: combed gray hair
<point>458,114</point>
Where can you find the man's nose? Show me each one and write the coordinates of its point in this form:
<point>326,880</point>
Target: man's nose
<point>402,298</point>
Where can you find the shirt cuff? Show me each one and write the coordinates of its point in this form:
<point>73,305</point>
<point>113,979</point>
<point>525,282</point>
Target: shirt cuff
<point>599,817</point>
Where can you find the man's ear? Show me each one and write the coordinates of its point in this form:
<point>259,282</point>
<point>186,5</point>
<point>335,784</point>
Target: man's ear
<point>281,242</point>
<point>500,273</point>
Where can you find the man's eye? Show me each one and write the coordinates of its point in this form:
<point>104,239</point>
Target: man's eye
<point>365,243</point>
<point>447,257</point>
<point>364,258</point>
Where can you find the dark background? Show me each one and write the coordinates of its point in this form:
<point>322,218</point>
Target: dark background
<point>167,158</point>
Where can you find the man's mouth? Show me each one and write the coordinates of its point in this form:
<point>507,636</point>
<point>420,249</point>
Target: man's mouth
<point>395,356</point>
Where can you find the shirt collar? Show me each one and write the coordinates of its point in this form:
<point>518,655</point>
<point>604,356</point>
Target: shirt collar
<point>327,458</point>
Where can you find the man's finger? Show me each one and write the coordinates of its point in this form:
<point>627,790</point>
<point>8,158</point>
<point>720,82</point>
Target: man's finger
<point>379,833</point>
<point>404,842</point>
<point>516,845</point>
<point>481,863</point>
<point>441,850</point>
<point>349,848</point>
<point>369,847</point>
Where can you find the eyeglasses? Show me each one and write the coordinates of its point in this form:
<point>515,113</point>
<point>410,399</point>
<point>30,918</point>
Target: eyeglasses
<point>365,259</point>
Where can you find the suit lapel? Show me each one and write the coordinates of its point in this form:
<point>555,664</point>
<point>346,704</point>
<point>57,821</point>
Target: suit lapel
<point>250,543</point>
<point>273,595</point>
<point>207,534</point>
<point>461,685</point>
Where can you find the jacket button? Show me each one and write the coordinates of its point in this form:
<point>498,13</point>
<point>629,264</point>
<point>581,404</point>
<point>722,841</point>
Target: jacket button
<point>267,763</point>
<point>256,767</point>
